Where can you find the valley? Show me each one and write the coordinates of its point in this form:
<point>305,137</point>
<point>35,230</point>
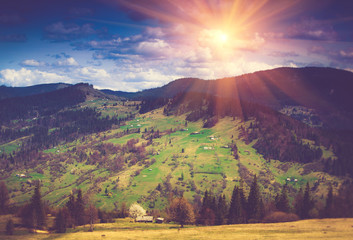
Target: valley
<point>229,160</point>
<point>176,156</point>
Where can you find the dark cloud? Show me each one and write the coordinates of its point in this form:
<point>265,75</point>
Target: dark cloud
<point>13,38</point>
<point>283,54</point>
<point>315,49</point>
<point>343,55</point>
<point>312,29</point>
<point>66,32</point>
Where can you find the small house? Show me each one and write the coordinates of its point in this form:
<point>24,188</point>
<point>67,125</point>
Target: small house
<point>159,220</point>
<point>145,219</point>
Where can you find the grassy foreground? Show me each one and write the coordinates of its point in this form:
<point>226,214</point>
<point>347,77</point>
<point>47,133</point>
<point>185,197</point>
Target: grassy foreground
<point>306,229</point>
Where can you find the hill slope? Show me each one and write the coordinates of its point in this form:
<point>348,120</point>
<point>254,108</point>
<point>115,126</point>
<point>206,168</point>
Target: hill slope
<point>10,92</point>
<point>199,140</point>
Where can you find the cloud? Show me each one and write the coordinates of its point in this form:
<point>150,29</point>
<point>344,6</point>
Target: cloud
<point>342,55</point>
<point>13,38</point>
<point>66,32</point>
<point>27,77</point>
<point>32,63</point>
<point>347,54</point>
<point>283,54</point>
<point>155,48</point>
<point>68,62</point>
<point>312,29</point>
<point>316,49</point>
<point>93,73</point>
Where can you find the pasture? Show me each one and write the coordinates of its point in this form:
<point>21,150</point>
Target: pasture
<point>123,229</point>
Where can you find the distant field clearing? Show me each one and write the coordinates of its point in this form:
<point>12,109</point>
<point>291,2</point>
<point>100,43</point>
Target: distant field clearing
<point>307,229</point>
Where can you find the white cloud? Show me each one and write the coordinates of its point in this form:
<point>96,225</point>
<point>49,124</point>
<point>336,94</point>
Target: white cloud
<point>27,77</point>
<point>93,73</point>
<point>156,48</point>
<point>32,63</point>
<point>68,62</point>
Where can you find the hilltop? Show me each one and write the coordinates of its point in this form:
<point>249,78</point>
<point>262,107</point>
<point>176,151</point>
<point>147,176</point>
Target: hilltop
<point>183,138</point>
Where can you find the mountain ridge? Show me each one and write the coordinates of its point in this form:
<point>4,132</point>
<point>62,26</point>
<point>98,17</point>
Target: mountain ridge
<point>10,92</point>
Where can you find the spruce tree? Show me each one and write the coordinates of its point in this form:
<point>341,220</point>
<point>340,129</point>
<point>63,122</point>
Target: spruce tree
<point>4,198</point>
<point>308,203</point>
<point>254,201</point>
<point>221,210</point>
<point>299,203</point>
<point>282,202</point>
<point>70,205</point>
<point>79,209</point>
<point>236,208</point>
<point>243,200</point>
<point>328,211</point>
<point>38,211</point>
<point>207,212</point>
<point>60,222</point>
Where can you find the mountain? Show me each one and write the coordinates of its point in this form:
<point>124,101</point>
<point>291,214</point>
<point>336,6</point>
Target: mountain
<point>128,95</point>
<point>47,103</point>
<point>311,86</point>
<point>9,92</point>
<point>325,93</point>
<point>184,138</point>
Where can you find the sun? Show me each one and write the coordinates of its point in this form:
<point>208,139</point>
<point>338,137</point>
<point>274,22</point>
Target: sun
<point>222,37</point>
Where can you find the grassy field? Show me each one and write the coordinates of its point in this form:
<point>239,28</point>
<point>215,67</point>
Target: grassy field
<point>123,229</point>
<point>203,159</point>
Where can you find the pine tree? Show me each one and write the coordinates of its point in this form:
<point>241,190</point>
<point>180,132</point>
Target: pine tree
<point>38,211</point>
<point>236,208</point>
<point>328,211</point>
<point>70,205</point>
<point>221,212</point>
<point>26,215</point>
<point>299,203</point>
<point>243,200</point>
<point>60,222</point>
<point>282,202</point>
<point>4,198</point>
<point>254,200</point>
<point>79,209</point>
<point>207,212</point>
<point>308,202</point>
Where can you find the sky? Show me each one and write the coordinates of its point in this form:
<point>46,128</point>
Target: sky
<point>131,45</point>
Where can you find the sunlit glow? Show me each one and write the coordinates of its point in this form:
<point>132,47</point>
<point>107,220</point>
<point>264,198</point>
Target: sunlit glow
<point>222,37</point>
<point>217,32</point>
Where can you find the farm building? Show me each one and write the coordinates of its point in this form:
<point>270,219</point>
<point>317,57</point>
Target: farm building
<point>159,220</point>
<point>144,219</point>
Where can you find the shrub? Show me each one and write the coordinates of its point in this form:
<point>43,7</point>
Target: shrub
<point>276,217</point>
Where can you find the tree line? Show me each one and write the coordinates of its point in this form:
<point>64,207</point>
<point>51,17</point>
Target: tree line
<point>214,210</point>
